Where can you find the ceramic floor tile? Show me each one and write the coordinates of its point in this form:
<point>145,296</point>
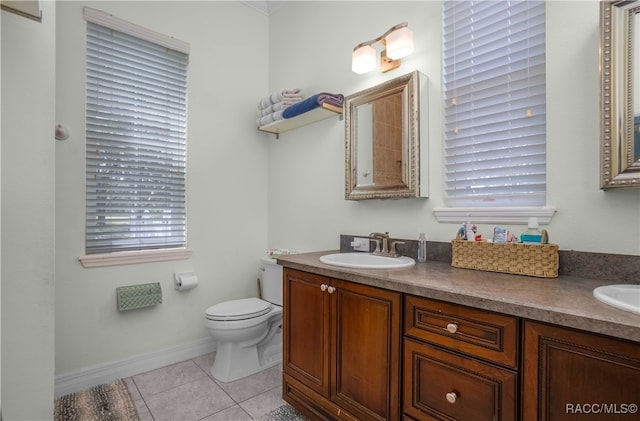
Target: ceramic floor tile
<point>189,402</point>
<point>235,413</point>
<point>133,389</point>
<point>166,378</point>
<point>143,411</point>
<point>247,387</point>
<point>205,362</point>
<point>136,397</point>
<point>186,391</point>
<point>263,403</point>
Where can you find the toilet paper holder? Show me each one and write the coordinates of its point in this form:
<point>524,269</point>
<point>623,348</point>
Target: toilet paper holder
<point>183,281</point>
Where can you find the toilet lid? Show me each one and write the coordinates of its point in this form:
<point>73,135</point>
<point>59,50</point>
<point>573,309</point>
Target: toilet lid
<point>246,308</point>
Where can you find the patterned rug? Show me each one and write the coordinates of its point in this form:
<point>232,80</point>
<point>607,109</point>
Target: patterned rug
<point>284,413</point>
<point>107,402</point>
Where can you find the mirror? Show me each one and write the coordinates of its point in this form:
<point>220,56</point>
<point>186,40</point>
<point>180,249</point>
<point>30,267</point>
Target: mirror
<point>620,94</point>
<point>382,140</point>
<point>25,8</point>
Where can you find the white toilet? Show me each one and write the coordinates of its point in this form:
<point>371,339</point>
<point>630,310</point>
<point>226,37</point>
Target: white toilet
<point>248,331</point>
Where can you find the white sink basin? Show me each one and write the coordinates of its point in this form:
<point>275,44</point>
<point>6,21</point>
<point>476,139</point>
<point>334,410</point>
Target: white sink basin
<point>367,261</point>
<point>625,297</point>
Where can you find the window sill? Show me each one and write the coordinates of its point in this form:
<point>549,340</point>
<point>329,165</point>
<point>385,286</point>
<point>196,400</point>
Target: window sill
<point>133,257</point>
<point>501,215</point>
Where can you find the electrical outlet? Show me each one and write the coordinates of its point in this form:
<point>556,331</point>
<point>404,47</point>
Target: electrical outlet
<point>360,244</point>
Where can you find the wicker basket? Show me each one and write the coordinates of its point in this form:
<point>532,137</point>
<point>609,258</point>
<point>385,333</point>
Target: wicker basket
<point>539,260</point>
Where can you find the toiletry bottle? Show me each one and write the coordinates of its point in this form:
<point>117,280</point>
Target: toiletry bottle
<point>532,235</point>
<point>469,230</point>
<point>422,248</point>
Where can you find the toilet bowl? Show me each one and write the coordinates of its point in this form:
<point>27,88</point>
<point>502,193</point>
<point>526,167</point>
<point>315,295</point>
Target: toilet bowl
<point>248,331</point>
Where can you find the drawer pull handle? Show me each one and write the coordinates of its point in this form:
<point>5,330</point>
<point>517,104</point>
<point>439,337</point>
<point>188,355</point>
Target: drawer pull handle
<point>452,327</point>
<point>323,287</point>
<point>331,290</point>
<point>451,397</point>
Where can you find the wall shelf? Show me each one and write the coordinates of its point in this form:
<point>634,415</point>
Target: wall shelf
<point>322,112</point>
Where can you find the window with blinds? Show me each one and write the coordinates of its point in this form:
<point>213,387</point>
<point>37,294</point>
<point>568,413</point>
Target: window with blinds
<point>495,113</point>
<point>135,137</point>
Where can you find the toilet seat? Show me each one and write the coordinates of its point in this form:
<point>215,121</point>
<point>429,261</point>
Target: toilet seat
<point>243,309</point>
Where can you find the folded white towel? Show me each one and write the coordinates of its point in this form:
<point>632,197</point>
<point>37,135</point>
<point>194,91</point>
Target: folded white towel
<point>273,108</point>
<point>264,103</point>
<point>266,111</point>
<point>269,118</point>
<point>275,97</point>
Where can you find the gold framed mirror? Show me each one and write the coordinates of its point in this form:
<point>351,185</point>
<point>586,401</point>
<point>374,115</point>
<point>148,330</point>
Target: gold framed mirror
<point>620,98</point>
<point>382,140</point>
<point>26,8</point>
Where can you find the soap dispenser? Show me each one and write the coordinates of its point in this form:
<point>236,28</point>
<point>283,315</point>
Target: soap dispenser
<point>532,235</point>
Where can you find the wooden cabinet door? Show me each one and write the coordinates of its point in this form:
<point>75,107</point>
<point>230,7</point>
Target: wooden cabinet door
<point>366,325</point>
<point>306,329</point>
<point>573,375</point>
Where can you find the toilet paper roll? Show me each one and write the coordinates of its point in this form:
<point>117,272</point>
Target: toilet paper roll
<point>185,281</point>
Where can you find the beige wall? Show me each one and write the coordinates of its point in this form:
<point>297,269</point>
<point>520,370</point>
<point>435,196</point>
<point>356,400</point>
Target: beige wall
<point>28,121</point>
<point>306,180</point>
<point>226,184</point>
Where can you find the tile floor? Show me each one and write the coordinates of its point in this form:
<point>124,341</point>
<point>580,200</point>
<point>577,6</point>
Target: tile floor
<point>186,391</point>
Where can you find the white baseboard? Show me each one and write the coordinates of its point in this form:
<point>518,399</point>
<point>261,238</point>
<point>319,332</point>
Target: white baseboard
<point>85,378</point>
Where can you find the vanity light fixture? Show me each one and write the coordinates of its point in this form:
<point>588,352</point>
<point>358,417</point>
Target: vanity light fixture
<point>398,42</point>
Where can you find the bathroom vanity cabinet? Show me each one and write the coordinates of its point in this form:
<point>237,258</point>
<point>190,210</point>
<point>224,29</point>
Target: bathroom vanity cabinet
<point>575,375</point>
<point>341,356</point>
<point>434,342</point>
<point>460,363</point>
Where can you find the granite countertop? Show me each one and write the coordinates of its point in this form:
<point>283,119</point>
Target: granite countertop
<point>565,301</point>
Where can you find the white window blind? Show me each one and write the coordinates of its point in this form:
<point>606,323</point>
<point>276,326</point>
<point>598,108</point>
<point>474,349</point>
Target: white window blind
<point>495,113</point>
<point>135,139</point>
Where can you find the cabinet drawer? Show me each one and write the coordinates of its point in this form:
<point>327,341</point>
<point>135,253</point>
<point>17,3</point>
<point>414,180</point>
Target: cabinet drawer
<point>442,385</point>
<point>481,333</point>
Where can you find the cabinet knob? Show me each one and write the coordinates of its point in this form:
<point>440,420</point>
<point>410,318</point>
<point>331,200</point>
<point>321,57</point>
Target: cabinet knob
<point>331,290</point>
<point>323,287</point>
<point>452,327</point>
<point>451,397</point>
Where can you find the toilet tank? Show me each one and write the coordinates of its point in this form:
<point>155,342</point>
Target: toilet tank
<point>272,281</point>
